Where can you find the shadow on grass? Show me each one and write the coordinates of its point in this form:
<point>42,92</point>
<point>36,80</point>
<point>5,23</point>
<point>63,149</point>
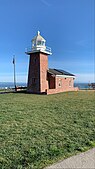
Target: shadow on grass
<point>21,92</point>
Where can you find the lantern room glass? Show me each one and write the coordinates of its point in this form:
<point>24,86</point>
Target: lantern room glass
<point>40,43</point>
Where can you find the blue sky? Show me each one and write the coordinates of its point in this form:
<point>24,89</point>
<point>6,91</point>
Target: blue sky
<point>67,26</point>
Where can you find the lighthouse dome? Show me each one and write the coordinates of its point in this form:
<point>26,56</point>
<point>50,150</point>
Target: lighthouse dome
<point>38,37</point>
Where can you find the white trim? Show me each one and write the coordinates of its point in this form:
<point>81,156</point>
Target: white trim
<point>35,51</point>
<point>65,76</point>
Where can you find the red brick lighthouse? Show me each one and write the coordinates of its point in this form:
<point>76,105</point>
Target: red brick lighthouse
<point>42,79</point>
<point>38,65</point>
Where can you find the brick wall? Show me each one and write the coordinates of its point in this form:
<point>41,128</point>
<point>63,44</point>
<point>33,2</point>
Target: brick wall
<point>43,72</point>
<point>34,73</point>
<point>54,91</point>
<point>37,75</point>
<point>63,85</point>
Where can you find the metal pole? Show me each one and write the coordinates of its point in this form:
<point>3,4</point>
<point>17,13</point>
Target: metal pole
<point>14,74</point>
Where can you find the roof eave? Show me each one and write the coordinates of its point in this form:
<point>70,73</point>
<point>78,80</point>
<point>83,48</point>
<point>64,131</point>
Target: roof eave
<point>66,76</point>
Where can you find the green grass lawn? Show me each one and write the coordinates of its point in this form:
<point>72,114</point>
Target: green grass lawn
<point>37,130</point>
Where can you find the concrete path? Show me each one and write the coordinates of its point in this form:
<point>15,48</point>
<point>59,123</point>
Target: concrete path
<point>84,160</point>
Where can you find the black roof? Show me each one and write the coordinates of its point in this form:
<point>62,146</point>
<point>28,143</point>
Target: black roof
<point>59,72</point>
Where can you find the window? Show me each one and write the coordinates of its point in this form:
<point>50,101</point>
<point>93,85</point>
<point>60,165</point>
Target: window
<point>33,80</point>
<point>39,43</point>
<point>60,83</point>
<point>43,43</point>
<point>33,44</point>
<point>35,60</point>
<point>70,83</point>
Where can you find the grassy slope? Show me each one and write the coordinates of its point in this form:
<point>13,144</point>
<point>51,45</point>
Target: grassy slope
<point>37,130</point>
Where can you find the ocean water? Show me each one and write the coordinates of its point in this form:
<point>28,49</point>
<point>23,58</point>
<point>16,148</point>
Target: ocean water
<point>11,85</point>
<point>81,85</point>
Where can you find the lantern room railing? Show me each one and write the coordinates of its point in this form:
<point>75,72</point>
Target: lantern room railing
<point>38,48</point>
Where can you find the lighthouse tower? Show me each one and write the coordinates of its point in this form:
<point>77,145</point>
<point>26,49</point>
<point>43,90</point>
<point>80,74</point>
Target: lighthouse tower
<point>38,65</point>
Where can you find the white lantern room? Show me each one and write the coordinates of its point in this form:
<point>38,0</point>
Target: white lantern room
<point>38,45</point>
<point>38,42</point>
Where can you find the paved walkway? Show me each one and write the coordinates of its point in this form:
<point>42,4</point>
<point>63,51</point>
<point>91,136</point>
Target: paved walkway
<point>84,160</point>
